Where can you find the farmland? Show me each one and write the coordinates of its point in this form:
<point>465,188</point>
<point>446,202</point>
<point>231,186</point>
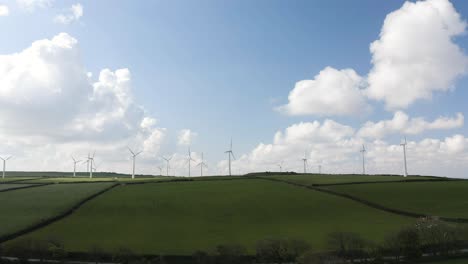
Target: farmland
<point>318,179</point>
<point>448,199</point>
<point>182,217</point>
<point>26,207</point>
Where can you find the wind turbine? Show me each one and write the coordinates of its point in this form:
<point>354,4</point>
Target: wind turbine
<point>320,169</point>
<point>90,167</point>
<point>404,156</point>
<point>305,161</point>
<point>189,159</point>
<point>202,164</point>
<point>230,153</point>
<point>74,165</point>
<point>281,166</point>
<point>133,156</point>
<point>363,151</point>
<point>160,170</point>
<point>4,165</point>
<point>167,167</point>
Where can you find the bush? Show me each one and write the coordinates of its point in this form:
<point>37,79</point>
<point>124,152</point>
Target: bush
<point>280,250</point>
<point>201,257</point>
<point>230,254</point>
<point>347,245</point>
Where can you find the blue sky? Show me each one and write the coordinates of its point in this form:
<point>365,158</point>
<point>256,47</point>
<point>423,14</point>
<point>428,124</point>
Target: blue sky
<point>220,68</point>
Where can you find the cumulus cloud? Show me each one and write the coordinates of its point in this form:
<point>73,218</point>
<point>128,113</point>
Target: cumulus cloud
<point>415,55</point>
<point>74,14</point>
<point>31,5</point>
<point>186,137</point>
<point>52,108</point>
<point>331,92</point>
<point>4,10</point>
<point>401,123</point>
<point>336,148</point>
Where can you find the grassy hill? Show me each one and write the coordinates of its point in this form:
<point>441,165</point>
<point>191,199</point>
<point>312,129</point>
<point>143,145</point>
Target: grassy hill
<point>182,217</point>
<point>449,199</point>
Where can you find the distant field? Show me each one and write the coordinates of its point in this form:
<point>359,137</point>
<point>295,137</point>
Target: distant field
<point>449,199</point>
<point>181,217</point>
<point>23,208</point>
<point>97,179</point>
<point>7,186</point>
<point>10,179</point>
<point>310,179</point>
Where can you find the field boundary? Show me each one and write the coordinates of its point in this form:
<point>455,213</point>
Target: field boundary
<point>25,187</point>
<point>377,182</point>
<point>55,218</point>
<point>366,202</point>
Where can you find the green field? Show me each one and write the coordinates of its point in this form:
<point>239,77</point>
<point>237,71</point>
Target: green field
<point>182,217</point>
<point>97,179</point>
<point>23,208</point>
<point>449,199</point>
<point>310,179</point>
<point>7,186</point>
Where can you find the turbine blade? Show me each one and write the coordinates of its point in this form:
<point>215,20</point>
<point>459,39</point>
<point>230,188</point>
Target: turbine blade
<point>232,153</point>
<point>138,153</point>
<point>131,151</point>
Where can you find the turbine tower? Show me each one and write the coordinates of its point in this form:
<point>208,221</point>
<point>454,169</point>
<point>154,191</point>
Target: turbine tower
<point>90,164</point>
<point>404,156</point>
<point>133,157</point>
<point>202,164</point>
<point>4,165</point>
<point>167,166</point>
<point>281,166</point>
<point>189,159</point>
<point>320,168</point>
<point>305,161</point>
<point>363,152</point>
<point>74,165</point>
<point>230,153</point>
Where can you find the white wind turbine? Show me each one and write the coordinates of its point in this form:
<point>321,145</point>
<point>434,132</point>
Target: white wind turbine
<point>90,164</point>
<point>189,160</point>
<point>133,157</point>
<point>363,152</point>
<point>230,153</point>
<point>305,161</point>
<point>4,165</point>
<point>167,165</point>
<point>202,164</point>
<point>160,170</point>
<point>320,169</point>
<point>74,165</point>
<point>404,156</point>
<point>280,165</point>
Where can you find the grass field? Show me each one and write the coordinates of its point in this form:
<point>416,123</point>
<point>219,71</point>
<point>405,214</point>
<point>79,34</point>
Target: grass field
<point>96,179</point>
<point>7,186</point>
<point>181,217</point>
<point>310,179</point>
<point>449,199</point>
<point>23,208</point>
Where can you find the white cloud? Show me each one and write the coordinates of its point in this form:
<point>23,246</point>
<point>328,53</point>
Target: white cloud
<point>31,5</point>
<point>401,123</point>
<point>186,137</point>
<point>331,92</point>
<point>4,10</point>
<point>416,55</point>
<point>336,147</point>
<point>51,109</point>
<point>74,14</point>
